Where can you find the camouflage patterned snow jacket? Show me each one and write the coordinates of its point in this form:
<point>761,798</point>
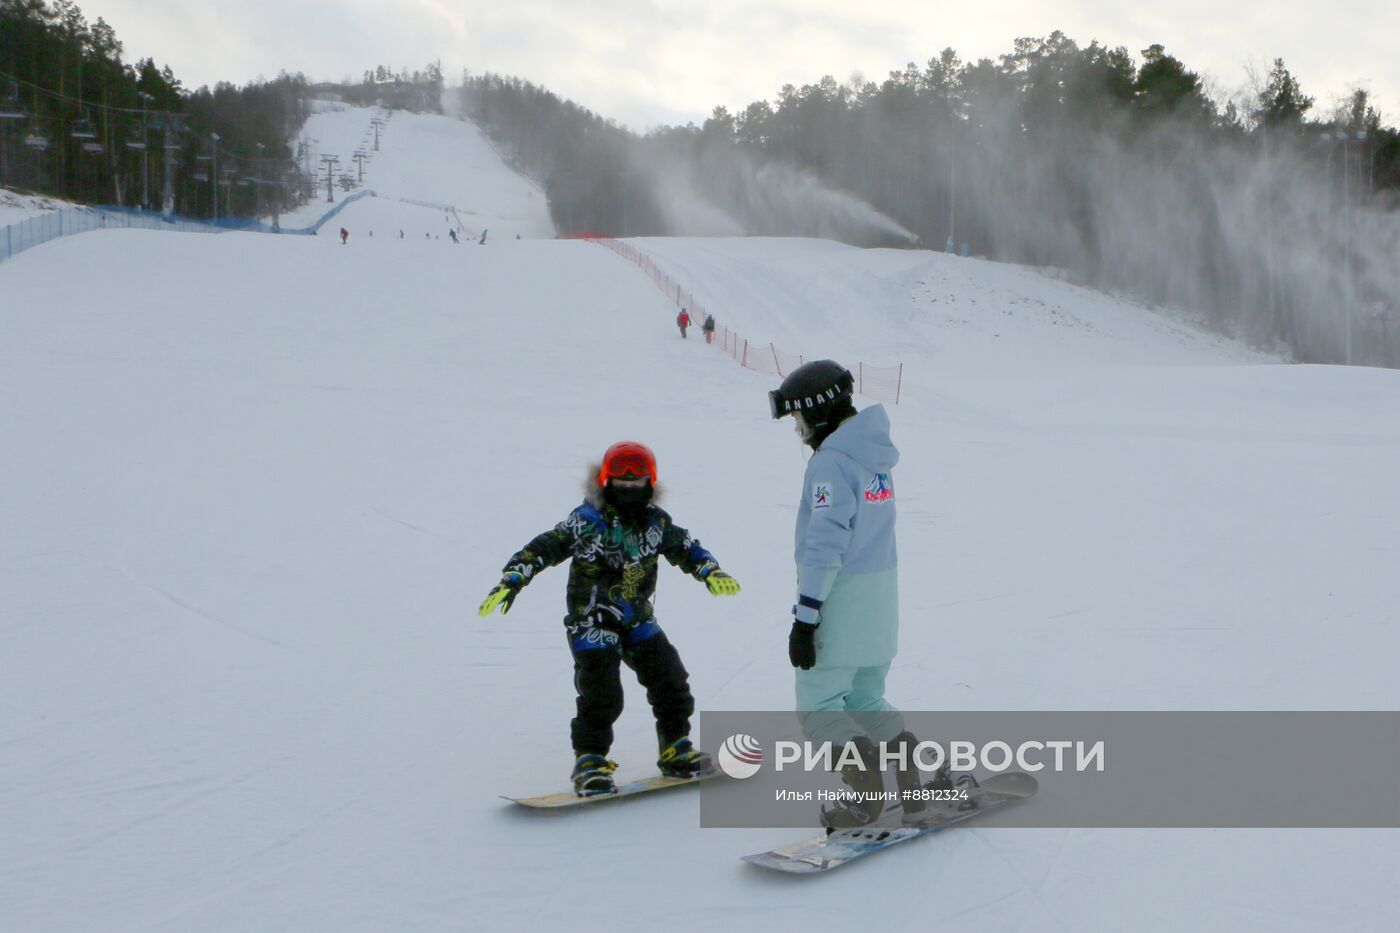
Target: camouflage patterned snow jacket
<point>613,575</point>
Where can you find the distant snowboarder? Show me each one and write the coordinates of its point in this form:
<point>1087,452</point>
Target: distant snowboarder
<point>452,235</point>
<point>344,236</point>
<point>614,539</point>
<point>846,620</point>
<point>683,321</point>
<point>482,241</point>
<point>709,327</point>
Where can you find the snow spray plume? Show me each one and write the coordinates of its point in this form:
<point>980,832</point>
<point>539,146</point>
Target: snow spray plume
<point>730,195</point>
<point>1272,238</point>
<point>602,177</point>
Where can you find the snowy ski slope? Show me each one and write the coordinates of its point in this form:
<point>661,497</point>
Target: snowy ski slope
<point>424,165</point>
<point>255,487</point>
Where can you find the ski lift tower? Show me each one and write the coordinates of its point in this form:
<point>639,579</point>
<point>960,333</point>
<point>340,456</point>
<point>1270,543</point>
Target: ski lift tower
<point>277,172</point>
<point>170,123</point>
<point>226,180</point>
<point>376,123</point>
<point>331,162</point>
<point>360,156</point>
<point>10,110</point>
<point>257,175</point>
<point>143,147</point>
<point>214,175</point>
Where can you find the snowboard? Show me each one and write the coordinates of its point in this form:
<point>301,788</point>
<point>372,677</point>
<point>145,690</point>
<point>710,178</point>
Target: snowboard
<point>825,852</point>
<point>567,798</point>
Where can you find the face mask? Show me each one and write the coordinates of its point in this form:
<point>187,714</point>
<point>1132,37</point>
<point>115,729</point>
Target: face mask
<point>804,430</point>
<point>628,500</point>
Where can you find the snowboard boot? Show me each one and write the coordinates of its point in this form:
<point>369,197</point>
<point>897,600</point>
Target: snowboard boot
<point>593,776</point>
<point>681,759</point>
<point>942,778</point>
<point>959,792</point>
<point>908,777</point>
<point>863,779</point>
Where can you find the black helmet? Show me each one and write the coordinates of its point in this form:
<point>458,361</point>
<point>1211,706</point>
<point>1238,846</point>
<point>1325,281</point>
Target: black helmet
<point>812,388</point>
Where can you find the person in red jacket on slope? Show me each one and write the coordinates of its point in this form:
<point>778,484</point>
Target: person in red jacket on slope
<point>683,321</point>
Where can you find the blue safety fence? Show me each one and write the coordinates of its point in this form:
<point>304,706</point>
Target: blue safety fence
<point>325,218</point>
<point>17,237</point>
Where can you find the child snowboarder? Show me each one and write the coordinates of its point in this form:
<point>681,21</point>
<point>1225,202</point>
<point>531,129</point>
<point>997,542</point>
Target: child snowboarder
<point>683,321</point>
<point>614,539</point>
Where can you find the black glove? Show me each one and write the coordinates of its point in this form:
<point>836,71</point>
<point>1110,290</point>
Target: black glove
<point>802,645</point>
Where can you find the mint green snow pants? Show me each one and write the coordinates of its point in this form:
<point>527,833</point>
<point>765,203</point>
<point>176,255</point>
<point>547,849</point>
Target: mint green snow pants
<point>836,704</point>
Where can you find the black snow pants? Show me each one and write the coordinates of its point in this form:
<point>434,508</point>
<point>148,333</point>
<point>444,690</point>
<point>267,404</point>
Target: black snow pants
<point>597,678</point>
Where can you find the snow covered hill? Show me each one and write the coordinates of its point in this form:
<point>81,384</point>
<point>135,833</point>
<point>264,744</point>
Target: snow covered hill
<point>430,173</point>
<point>251,507</point>
<point>16,207</point>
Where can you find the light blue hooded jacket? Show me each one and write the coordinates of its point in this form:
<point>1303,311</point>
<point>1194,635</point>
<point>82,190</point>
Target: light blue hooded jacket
<point>845,547</point>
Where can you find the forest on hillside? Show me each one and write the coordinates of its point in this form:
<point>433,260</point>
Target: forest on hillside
<point>1267,216</point>
<point>80,123</point>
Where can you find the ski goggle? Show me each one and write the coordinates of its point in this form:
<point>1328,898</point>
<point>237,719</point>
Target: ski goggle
<point>780,405</point>
<point>629,465</point>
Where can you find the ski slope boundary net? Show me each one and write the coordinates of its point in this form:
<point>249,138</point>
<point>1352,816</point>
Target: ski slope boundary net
<point>881,383</point>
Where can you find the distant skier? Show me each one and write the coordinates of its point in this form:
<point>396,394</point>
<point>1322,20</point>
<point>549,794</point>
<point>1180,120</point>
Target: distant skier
<point>344,235</point>
<point>400,234</point>
<point>709,327</point>
<point>846,620</point>
<point>614,539</point>
<point>683,321</point>
<point>482,241</point>
<point>452,235</point>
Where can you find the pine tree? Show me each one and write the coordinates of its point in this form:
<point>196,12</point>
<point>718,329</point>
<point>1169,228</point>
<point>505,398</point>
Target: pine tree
<point>1282,103</point>
<point>1164,86</point>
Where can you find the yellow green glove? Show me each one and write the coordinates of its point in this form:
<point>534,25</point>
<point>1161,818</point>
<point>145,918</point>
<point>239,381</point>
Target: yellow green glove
<point>722,584</point>
<point>502,595</point>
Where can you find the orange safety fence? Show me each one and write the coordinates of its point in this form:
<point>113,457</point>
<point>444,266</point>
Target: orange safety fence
<point>882,383</point>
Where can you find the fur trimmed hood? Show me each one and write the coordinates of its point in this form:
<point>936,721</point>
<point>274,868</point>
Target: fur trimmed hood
<point>593,493</point>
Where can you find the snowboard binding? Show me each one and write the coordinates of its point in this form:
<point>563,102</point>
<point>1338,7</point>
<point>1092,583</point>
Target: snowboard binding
<point>593,776</point>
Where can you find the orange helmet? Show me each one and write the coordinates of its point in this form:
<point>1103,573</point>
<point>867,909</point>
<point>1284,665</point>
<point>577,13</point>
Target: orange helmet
<point>627,458</point>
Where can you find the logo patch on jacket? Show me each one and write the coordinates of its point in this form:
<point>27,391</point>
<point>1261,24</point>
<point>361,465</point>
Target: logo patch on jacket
<point>821,495</point>
<point>879,489</point>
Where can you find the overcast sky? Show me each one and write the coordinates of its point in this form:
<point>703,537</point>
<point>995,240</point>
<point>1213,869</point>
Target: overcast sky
<point>649,62</point>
